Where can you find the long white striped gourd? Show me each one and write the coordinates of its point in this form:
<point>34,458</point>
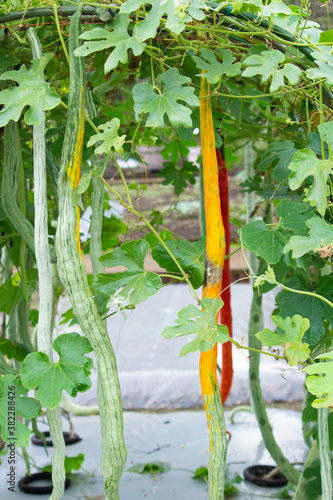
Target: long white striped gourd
<point>45,275</point>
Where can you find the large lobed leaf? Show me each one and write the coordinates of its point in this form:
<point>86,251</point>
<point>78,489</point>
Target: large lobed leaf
<point>178,13</point>
<point>32,91</point>
<point>267,243</point>
<point>189,256</point>
<point>160,102</point>
<point>109,138</point>
<point>100,39</point>
<point>178,175</point>
<point>294,348</point>
<point>70,373</point>
<point>319,239</point>
<point>215,69</point>
<point>202,323</point>
<point>305,164</point>
<point>24,406</point>
<point>267,64</point>
<point>136,284</point>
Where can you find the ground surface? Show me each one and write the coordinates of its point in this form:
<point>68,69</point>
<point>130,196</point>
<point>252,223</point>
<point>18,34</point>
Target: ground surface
<point>180,440</point>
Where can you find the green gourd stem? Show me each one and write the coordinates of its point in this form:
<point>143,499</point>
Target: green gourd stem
<point>237,410</point>
<point>26,457</point>
<point>74,278</point>
<point>313,455</point>
<point>257,400</point>
<point>9,183</point>
<point>325,455</point>
<point>250,200</point>
<point>97,204</point>
<point>45,274</point>
<point>76,409</point>
<point>21,197</point>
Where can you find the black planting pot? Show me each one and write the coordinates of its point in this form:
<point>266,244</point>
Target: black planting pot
<point>26,484</point>
<point>68,440</point>
<point>255,473</point>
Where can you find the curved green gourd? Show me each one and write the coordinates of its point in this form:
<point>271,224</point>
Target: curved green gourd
<point>73,275</point>
<point>255,325</point>
<point>9,183</point>
<point>45,274</point>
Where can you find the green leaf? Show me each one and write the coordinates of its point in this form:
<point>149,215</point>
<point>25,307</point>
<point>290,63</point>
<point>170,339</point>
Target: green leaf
<point>10,296</point>
<point>7,60</point>
<point>71,463</point>
<point>320,380</point>
<point>11,390</point>
<point>201,474</point>
<point>189,256</point>
<point>324,69</point>
<point>177,149</point>
<point>279,154</point>
<point>214,69</point>
<point>111,227</point>
<point>70,373</point>
<point>294,349</point>
<point>314,309</point>
<point>33,317</point>
<point>326,132</point>
<point>84,183</point>
<point>202,324</point>
<point>165,101</point>
<point>319,239</point>
<point>178,175</point>
<point>13,349</point>
<point>177,15</point>
<point>267,64</point>
<point>267,243</point>
<point>101,39</point>
<point>32,91</point>
<point>150,468</point>
<point>109,137</point>
<point>294,216</point>
<point>326,36</point>
<point>137,283</point>
<point>305,164</point>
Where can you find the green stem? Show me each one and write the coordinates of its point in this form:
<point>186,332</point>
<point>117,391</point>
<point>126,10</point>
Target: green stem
<point>300,17</point>
<point>62,41</point>
<point>303,292</point>
<point>321,118</point>
<point>20,15</point>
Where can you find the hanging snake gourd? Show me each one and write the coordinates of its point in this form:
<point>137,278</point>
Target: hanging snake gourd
<point>215,250</point>
<point>73,275</point>
<point>45,275</point>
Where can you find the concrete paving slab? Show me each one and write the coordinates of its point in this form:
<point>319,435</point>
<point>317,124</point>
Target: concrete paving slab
<point>152,376</point>
<point>178,438</point>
